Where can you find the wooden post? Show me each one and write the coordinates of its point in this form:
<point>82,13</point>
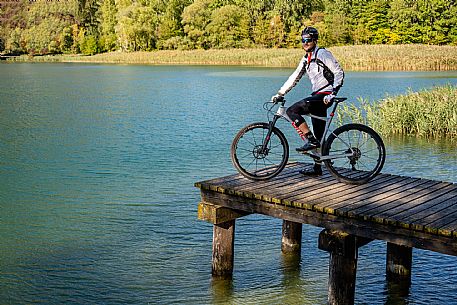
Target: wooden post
<point>223,220</point>
<point>342,265</point>
<point>223,248</point>
<point>291,237</point>
<point>398,263</point>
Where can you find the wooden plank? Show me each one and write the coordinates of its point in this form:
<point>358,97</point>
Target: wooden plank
<point>387,212</point>
<point>236,183</point>
<point>366,210</point>
<point>356,207</point>
<point>446,226</point>
<point>273,185</point>
<point>307,184</point>
<point>216,214</point>
<point>323,188</point>
<point>232,181</point>
<point>429,207</point>
<point>236,187</point>
<point>331,194</point>
<point>371,191</point>
<point>446,217</point>
<point>263,190</point>
<point>343,197</point>
<point>274,195</point>
<point>434,210</point>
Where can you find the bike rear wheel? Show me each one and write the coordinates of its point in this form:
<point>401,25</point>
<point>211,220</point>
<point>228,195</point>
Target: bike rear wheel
<point>364,150</point>
<point>249,157</point>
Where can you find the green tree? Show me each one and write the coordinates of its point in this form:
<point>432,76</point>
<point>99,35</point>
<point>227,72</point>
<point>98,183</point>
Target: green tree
<point>229,27</point>
<point>14,43</point>
<point>87,15</point>
<point>44,23</point>
<point>195,18</point>
<point>170,24</point>
<point>438,20</point>
<point>88,45</point>
<point>277,30</point>
<point>136,27</point>
<point>293,12</point>
<point>67,40</point>
<point>107,25</point>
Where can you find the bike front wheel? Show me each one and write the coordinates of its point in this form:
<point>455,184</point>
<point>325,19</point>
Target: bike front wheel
<point>252,158</point>
<point>357,153</point>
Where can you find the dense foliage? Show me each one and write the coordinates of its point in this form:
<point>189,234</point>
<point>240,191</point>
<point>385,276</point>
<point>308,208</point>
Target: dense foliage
<point>94,26</point>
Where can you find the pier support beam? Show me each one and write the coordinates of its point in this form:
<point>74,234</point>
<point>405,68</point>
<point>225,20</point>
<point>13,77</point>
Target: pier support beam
<point>223,220</point>
<point>291,237</point>
<point>398,263</point>
<point>343,249</point>
<point>223,249</point>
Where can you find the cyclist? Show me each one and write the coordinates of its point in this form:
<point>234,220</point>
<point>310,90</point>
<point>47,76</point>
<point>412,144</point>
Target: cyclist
<point>326,76</point>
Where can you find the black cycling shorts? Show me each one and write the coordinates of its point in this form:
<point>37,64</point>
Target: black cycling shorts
<point>313,105</point>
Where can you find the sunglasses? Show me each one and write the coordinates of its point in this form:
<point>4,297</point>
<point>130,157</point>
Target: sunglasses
<point>306,40</point>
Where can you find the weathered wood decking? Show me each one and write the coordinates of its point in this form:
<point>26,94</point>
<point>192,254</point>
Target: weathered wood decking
<point>404,211</point>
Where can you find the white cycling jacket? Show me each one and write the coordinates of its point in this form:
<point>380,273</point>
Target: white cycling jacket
<point>309,64</point>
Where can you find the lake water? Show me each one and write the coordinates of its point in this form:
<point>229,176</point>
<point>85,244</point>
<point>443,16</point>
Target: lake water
<point>97,166</point>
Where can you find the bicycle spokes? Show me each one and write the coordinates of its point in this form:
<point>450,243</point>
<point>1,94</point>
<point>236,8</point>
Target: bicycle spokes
<point>356,153</point>
<point>259,154</point>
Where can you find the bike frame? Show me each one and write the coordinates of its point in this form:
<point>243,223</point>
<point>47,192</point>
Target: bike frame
<point>281,113</point>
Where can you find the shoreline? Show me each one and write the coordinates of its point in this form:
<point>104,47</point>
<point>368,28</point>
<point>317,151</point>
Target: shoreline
<point>353,58</point>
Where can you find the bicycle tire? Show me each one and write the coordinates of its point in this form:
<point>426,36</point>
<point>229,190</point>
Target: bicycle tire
<point>368,153</point>
<point>250,161</point>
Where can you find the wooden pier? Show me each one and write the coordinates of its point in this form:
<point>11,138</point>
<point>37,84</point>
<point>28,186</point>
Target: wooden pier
<point>403,211</point>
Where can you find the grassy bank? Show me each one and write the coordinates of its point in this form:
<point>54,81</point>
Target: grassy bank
<point>352,58</point>
<point>425,113</point>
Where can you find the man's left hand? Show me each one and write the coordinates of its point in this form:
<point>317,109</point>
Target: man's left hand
<point>328,98</point>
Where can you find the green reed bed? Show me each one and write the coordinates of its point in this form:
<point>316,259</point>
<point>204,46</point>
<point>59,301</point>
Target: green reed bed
<point>352,58</point>
<point>425,113</point>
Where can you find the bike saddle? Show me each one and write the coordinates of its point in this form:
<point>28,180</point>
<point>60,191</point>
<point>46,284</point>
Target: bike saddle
<point>339,99</point>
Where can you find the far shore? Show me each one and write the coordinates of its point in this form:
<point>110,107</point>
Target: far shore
<point>412,57</point>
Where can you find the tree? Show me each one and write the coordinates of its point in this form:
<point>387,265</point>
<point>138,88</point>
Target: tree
<point>195,18</point>
<point>170,24</point>
<point>136,27</point>
<point>107,25</point>
<point>44,24</point>
<point>229,27</point>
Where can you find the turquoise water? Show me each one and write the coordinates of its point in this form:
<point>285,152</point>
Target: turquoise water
<point>97,166</point>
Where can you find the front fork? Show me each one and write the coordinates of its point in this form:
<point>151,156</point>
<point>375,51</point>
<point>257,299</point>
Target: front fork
<point>271,125</point>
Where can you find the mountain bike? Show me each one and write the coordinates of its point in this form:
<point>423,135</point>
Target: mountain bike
<point>353,153</point>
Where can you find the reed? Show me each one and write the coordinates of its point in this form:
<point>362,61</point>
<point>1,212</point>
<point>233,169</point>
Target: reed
<point>413,57</point>
<point>352,58</point>
<point>428,113</point>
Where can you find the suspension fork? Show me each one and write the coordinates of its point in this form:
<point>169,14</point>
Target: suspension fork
<point>271,125</point>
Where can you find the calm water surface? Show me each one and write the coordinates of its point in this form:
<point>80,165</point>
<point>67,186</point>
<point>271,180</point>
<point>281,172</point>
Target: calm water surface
<point>97,166</point>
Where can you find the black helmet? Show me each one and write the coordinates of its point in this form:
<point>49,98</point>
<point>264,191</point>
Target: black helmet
<point>311,32</point>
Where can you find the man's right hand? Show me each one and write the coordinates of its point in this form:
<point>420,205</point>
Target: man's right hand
<point>277,98</point>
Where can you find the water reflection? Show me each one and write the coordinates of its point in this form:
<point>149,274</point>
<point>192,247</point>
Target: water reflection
<point>434,159</point>
<point>292,281</point>
<point>221,290</point>
<point>397,292</point>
